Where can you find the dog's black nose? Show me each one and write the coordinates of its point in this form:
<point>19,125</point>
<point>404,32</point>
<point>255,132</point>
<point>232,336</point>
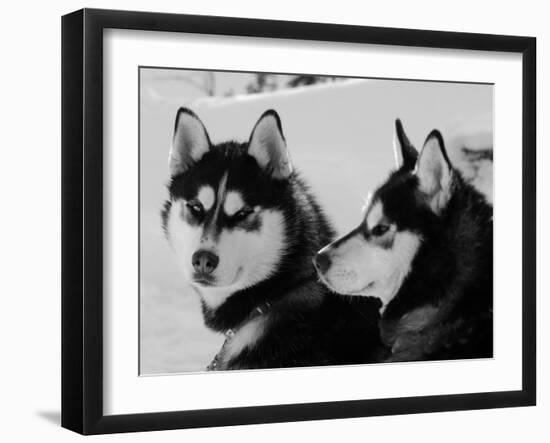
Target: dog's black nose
<point>322,262</point>
<point>204,261</point>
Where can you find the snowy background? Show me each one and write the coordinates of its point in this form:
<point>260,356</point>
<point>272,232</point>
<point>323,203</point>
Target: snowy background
<point>339,133</point>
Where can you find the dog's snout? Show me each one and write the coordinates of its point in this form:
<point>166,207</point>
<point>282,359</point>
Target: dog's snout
<point>204,262</point>
<point>322,262</point>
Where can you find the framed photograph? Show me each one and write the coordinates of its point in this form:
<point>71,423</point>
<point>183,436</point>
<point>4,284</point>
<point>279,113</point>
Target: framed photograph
<point>270,221</point>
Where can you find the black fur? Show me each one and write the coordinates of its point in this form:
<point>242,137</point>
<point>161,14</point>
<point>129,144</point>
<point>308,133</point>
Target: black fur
<point>444,307</point>
<point>306,324</point>
<point>408,151</point>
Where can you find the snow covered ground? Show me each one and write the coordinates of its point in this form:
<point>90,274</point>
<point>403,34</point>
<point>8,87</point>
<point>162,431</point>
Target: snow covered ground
<point>340,138</point>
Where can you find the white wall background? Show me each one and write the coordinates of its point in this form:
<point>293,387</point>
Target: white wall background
<point>30,223</point>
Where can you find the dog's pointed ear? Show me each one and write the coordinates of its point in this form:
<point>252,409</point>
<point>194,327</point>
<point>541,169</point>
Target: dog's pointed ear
<point>190,142</point>
<point>434,172</point>
<point>268,146</point>
<point>405,153</point>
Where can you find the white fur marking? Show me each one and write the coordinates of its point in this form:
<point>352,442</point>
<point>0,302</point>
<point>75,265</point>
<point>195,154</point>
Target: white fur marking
<point>214,297</point>
<point>233,203</point>
<point>374,215</point>
<point>245,337</point>
<point>206,197</point>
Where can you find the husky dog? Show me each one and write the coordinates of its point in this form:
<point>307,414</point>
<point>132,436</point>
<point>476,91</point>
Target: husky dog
<point>245,229</point>
<point>425,249</point>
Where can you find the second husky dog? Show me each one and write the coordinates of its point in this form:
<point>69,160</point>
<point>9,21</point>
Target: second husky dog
<point>425,249</point>
<point>245,228</point>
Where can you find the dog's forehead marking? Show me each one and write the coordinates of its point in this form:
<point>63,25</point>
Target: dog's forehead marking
<point>220,195</point>
<point>207,197</point>
<point>222,188</point>
<point>210,227</point>
<point>233,203</point>
<point>375,214</point>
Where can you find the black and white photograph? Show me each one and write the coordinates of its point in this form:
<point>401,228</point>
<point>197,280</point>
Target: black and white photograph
<point>291,220</point>
<point>272,222</point>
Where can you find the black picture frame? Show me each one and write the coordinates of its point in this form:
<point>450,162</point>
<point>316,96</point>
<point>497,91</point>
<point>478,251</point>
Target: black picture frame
<point>82,220</point>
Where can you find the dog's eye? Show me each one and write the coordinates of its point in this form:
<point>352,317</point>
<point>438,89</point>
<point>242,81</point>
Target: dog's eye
<point>196,208</point>
<point>379,230</point>
<point>242,214</point>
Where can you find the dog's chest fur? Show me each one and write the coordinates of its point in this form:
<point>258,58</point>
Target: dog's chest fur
<point>245,338</point>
